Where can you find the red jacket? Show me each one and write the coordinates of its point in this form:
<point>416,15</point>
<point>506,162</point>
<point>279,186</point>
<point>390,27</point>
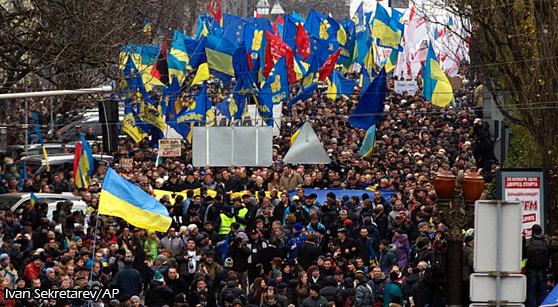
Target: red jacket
<point>32,272</point>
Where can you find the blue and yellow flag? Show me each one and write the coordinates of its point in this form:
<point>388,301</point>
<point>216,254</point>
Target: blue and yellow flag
<point>338,85</point>
<point>385,29</point>
<point>84,164</point>
<point>130,124</point>
<point>219,52</point>
<point>365,79</point>
<point>304,94</point>
<point>277,83</point>
<point>392,60</point>
<point>33,199</point>
<point>436,88</point>
<point>312,72</point>
<point>367,147</point>
<point>358,18</point>
<point>144,58</point>
<point>362,47</point>
<point>37,128</point>
<point>198,62</point>
<point>194,113</point>
<point>370,106</point>
<point>122,199</point>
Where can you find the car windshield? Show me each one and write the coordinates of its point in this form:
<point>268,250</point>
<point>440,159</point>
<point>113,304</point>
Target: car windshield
<point>7,201</point>
<point>32,166</point>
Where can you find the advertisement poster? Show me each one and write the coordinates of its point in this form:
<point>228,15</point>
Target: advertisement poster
<point>527,188</point>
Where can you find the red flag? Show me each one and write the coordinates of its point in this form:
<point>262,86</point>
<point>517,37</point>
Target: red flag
<point>257,14</point>
<point>302,42</point>
<point>275,49</point>
<point>214,9</point>
<point>280,20</point>
<point>161,69</point>
<point>329,65</point>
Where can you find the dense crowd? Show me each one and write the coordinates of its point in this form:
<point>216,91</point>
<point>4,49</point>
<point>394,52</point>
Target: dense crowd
<point>265,248</point>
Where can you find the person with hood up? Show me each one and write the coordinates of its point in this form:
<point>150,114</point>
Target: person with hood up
<point>159,294</point>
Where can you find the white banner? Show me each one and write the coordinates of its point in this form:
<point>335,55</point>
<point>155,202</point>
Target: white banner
<point>410,87</point>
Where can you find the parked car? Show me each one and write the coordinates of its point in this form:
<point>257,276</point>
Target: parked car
<point>15,202</point>
<point>17,151</point>
<point>58,163</point>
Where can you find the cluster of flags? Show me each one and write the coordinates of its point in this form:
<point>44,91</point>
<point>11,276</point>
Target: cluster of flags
<point>267,59</point>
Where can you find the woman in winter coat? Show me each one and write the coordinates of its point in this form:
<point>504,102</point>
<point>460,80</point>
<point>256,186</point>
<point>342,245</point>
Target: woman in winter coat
<point>401,242</point>
<point>364,295</point>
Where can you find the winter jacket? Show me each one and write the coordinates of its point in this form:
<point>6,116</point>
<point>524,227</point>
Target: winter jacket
<point>391,291</point>
<point>364,295</point>
<point>320,301</point>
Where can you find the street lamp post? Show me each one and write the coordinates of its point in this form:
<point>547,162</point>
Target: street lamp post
<point>452,193</point>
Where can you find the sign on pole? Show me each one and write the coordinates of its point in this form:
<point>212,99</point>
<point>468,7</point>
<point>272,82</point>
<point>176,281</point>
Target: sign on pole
<point>526,187</point>
<point>483,288</point>
<point>486,232</point>
<point>170,147</point>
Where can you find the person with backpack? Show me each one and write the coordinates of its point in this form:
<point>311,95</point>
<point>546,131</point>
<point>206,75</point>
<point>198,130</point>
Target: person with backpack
<point>536,250</point>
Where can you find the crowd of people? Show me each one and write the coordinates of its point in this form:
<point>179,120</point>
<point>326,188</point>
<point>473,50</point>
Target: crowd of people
<point>264,248</point>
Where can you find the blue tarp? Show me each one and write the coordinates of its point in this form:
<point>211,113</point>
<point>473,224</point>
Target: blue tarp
<point>322,194</point>
<point>551,299</point>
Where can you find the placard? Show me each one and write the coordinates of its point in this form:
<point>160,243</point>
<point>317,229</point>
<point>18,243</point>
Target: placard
<point>126,163</point>
<point>526,187</point>
<point>170,147</point>
<point>410,87</point>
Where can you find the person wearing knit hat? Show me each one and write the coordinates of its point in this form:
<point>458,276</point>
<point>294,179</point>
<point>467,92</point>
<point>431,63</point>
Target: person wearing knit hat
<point>158,277</point>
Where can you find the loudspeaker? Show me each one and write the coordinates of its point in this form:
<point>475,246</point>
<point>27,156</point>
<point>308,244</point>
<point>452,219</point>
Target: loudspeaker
<point>108,111</point>
<point>108,118</point>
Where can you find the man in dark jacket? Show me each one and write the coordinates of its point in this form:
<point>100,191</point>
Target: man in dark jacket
<point>330,291</point>
<point>365,246</point>
<point>315,299</point>
<point>159,294</point>
<point>536,250</point>
<point>201,295</point>
<point>128,280</point>
<point>175,282</point>
<point>309,251</point>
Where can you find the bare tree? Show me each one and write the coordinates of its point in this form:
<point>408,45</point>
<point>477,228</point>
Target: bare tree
<point>514,53</point>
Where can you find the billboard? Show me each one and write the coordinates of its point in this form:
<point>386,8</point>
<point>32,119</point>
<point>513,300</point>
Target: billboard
<point>526,187</point>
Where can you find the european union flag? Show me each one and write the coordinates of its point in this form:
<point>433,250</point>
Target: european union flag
<point>233,28</point>
<point>370,106</point>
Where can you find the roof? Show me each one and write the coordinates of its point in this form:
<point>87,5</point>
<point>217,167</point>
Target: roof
<point>277,9</point>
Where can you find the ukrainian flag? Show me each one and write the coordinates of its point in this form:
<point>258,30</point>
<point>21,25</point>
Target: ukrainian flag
<point>339,85</point>
<point>122,199</point>
<point>219,52</point>
<point>84,164</point>
<point>385,29</point>
<point>33,199</point>
<point>37,128</point>
<point>436,88</point>
<point>130,124</point>
<point>392,60</point>
<point>367,147</point>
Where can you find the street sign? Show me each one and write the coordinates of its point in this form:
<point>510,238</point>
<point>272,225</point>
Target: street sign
<point>486,231</point>
<point>483,288</point>
<point>170,147</point>
<point>525,186</point>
